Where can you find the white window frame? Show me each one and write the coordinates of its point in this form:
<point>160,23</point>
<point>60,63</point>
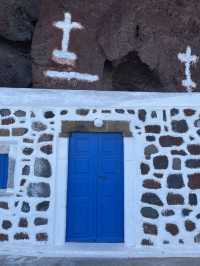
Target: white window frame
<point>10,147</point>
<point>131,145</point>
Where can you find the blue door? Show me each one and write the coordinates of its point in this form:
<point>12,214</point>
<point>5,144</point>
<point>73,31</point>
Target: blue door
<point>95,197</point>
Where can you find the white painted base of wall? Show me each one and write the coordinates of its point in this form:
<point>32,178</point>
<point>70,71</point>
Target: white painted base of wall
<point>94,251</point>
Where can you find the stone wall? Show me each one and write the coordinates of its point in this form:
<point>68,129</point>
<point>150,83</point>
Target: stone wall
<point>169,179</point>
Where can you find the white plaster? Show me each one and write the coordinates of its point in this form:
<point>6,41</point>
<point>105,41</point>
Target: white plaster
<point>188,59</point>
<point>71,75</point>
<point>66,26</point>
<point>61,192</point>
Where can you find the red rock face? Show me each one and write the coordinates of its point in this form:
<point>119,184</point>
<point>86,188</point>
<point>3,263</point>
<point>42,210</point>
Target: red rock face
<point>129,45</point>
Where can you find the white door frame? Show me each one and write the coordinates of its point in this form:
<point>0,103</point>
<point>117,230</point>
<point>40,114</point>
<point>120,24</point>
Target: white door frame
<point>130,192</point>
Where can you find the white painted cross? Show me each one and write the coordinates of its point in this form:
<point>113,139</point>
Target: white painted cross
<point>66,26</point>
<point>188,59</point>
<point>65,57</point>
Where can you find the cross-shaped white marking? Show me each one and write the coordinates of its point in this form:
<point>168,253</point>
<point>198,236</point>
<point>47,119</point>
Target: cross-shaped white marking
<point>62,56</point>
<point>188,59</point>
<point>65,57</point>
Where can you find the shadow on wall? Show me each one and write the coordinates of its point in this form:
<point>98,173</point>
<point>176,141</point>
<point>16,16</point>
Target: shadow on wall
<point>130,73</point>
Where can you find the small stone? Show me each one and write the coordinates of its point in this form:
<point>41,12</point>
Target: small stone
<point>186,212</point>
<point>25,207</point>
<point>144,168</point>
<point>179,126</point>
<point>3,237</point>
<point>41,237</point>
<point>150,229</point>
<point>38,126</point>
<point>174,112</point>
<point>4,132</point>
<point>130,111</point>
<point>155,129</point>
<point>4,205</point>
<point>19,131</point>
<point>83,112</point>
<point>194,181</point>
<point>172,229</point>
<point>189,112</point>
<point>175,199</point>
<point>150,138</point>
<point>176,164</point>
<point>149,212</point>
<point>151,198</point>
<point>26,170</point>
<point>154,114</point>
<point>194,149</point>
<point>38,190</point>
<point>181,241</point>
<point>64,112</point>
<point>197,238</point>
<point>6,224</point>
<point>164,116</point>
<point>27,151</point>
<point>22,182</point>
<point>190,226</point>
<point>158,175</point>
<point>169,141</point>
<point>193,163</point>
<point>166,242</point>
<point>198,216</point>
<point>175,181</point>
<point>160,162</point>
<point>149,150</point>
<point>27,140</point>
<point>5,112</point>
<point>47,149</point>
<point>7,121</point>
<point>23,222</point>
<point>151,184</point>
<point>42,168</point>
<point>197,123</point>
<point>142,115</point>
<point>178,152</point>
<point>45,137</point>
<point>21,236</point>
<point>146,242</point>
<point>193,199</point>
<point>42,206</point>
<point>168,213</point>
<point>20,113</point>
<point>119,111</point>
<point>49,114</point>
<point>40,221</point>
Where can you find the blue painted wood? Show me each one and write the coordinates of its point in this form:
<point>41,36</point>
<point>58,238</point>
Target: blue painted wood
<point>3,171</point>
<point>95,199</point>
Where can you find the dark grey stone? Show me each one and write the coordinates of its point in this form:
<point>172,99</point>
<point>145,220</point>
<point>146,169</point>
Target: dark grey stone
<point>179,126</point>
<point>149,150</point>
<point>149,212</point>
<point>42,167</point>
<point>38,190</point>
<point>175,181</point>
<point>151,198</point>
<point>160,162</point>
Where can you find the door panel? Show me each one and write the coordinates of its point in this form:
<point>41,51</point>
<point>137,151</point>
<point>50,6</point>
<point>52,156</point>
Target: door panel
<point>95,200</point>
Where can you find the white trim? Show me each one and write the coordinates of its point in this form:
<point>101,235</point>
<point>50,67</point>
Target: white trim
<point>95,99</point>
<point>61,192</point>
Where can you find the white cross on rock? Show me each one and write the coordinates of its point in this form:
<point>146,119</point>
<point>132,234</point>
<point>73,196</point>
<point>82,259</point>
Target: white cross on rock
<point>188,59</point>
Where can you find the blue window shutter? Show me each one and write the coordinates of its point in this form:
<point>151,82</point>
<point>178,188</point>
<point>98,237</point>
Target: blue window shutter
<point>3,171</point>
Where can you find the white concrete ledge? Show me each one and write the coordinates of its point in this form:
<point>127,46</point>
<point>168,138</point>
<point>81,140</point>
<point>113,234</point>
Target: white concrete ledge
<point>110,99</point>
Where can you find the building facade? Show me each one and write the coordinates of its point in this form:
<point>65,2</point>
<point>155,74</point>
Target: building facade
<point>82,168</point>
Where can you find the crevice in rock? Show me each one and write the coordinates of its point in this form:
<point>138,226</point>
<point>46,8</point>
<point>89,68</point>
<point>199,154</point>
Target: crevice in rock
<point>129,73</point>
